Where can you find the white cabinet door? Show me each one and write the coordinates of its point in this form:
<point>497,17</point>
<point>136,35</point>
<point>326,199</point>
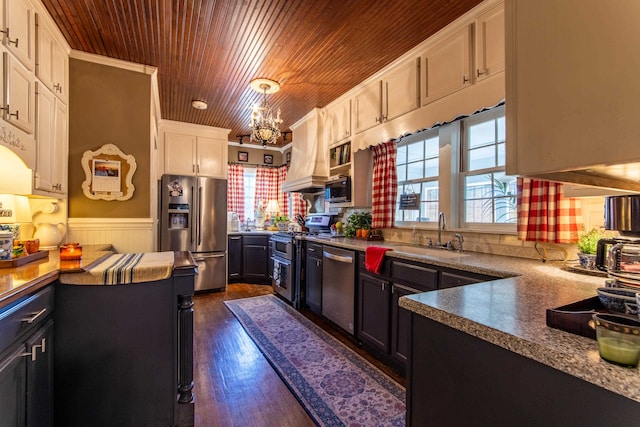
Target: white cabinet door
<point>18,108</point>
<point>447,66</point>
<point>179,154</point>
<point>402,89</point>
<point>368,108</point>
<point>61,154</point>
<point>51,61</point>
<point>52,143</point>
<point>339,121</point>
<point>489,46</point>
<point>212,157</point>
<point>19,30</point>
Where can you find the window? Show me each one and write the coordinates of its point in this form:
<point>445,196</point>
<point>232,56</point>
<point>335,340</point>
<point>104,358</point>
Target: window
<point>418,172</point>
<point>489,196</point>
<point>249,192</point>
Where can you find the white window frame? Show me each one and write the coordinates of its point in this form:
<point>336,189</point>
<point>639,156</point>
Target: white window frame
<point>463,173</point>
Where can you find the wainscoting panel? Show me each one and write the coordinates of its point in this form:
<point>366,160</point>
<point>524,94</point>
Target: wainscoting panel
<point>127,235</point>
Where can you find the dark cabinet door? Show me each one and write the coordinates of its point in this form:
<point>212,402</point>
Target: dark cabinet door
<point>13,387</point>
<point>40,377</point>
<point>400,325</point>
<point>313,280</point>
<point>374,305</point>
<point>234,257</point>
<point>255,261</point>
<point>451,280</point>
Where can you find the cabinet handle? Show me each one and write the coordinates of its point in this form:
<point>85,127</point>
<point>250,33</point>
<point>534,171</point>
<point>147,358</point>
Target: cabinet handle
<point>378,119</point>
<point>34,348</point>
<point>318,263</point>
<point>383,285</point>
<point>9,41</point>
<point>465,79</point>
<point>479,73</point>
<point>197,168</point>
<point>311,250</point>
<point>58,87</point>
<point>35,316</point>
<point>7,109</point>
<point>234,238</point>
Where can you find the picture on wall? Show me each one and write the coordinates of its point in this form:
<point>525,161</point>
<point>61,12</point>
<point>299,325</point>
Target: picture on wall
<point>243,156</point>
<point>268,159</point>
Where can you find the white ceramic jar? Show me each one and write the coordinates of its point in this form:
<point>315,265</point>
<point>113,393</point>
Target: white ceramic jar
<point>6,245</point>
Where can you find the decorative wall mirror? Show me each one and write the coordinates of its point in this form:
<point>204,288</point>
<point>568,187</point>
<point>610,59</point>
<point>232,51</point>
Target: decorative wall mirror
<point>104,170</point>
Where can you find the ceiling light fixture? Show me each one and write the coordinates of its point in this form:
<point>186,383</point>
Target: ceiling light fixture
<point>264,126</point>
<point>199,105</point>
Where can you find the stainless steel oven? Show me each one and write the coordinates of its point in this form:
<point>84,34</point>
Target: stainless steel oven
<point>283,257</point>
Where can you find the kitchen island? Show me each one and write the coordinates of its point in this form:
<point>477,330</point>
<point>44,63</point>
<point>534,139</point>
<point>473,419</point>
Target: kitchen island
<point>509,316</point>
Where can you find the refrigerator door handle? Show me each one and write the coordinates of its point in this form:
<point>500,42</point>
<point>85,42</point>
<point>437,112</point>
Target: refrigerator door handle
<point>198,257</point>
<point>199,215</point>
<point>193,223</point>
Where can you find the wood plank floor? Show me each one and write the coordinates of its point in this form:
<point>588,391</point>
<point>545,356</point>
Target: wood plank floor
<point>234,383</point>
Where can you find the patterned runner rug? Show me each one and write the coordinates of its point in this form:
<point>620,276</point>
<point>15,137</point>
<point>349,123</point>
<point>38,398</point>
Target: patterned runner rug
<point>335,385</point>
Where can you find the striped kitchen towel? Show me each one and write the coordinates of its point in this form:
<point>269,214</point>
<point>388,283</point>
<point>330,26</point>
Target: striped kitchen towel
<point>121,269</point>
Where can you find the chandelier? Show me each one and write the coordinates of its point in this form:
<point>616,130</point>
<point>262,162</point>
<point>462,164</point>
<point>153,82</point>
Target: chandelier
<point>264,126</point>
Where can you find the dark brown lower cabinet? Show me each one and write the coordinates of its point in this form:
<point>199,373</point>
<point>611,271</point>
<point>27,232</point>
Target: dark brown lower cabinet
<point>374,305</point>
<point>400,324</point>
<point>456,379</point>
<point>249,259</point>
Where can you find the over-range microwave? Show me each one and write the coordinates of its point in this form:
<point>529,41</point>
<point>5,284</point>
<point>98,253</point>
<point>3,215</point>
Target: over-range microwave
<point>338,190</point>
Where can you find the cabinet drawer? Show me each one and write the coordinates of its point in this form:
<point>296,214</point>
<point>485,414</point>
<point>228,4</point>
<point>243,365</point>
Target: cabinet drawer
<point>385,268</point>
<point>454,278</point>
<point>420,277</point>
<point>314,249</point>
<point>255,240</point>
<point>24,315</point>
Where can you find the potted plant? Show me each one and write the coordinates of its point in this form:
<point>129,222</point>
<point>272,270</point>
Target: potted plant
<point>357,222</point>
<point>587,246</point>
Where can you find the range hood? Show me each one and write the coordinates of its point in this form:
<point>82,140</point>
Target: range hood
<point>309,168</point>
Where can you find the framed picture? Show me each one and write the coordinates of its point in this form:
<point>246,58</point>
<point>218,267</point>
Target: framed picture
<point>243,156</point>
<point>268,159</point>
<point>288,158</point>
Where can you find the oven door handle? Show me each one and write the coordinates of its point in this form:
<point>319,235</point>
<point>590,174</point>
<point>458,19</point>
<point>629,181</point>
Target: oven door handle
<point>280,260</point>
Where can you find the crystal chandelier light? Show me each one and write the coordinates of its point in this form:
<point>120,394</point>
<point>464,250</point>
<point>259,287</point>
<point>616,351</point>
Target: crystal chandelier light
<point>264,126</point>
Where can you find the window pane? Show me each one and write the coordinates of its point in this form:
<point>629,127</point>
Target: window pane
<point>481,158</point>
<point>431,168</point>
<point>401,155</point>
<point>415,170</point>
<point>432,147</point>
<point>482,134</point>
<point>476,211</point>
<point>501,154</point>
<point>415,151</point>
<point>402,172</point>
<point>502,133</point>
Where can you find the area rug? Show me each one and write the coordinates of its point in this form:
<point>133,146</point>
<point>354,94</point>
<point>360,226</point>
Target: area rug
<point>335,385</point>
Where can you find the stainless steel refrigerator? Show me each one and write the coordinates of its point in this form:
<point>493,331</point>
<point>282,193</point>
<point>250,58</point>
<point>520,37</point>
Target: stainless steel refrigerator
<point>193,217</point>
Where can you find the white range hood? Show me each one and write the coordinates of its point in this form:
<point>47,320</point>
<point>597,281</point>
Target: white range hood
<point>309,168</point>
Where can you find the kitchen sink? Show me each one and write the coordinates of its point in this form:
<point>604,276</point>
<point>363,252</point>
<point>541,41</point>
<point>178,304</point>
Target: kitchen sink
<point>421,250</point>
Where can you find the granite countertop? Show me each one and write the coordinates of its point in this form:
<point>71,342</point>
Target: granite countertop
<point>252,232</point>
<point>511,312</point>
<point>19,281</point>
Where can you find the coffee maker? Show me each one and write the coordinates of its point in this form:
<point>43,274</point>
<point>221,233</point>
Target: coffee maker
<point>620,256</point>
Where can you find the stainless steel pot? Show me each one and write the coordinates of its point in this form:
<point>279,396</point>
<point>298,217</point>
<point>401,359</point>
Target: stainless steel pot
<point>622,213</point>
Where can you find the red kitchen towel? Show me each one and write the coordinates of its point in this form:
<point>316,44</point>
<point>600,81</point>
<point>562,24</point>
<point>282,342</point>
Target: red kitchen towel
<point>373,258</point>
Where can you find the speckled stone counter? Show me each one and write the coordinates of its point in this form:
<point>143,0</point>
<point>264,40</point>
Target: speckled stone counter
<point>510,312</point>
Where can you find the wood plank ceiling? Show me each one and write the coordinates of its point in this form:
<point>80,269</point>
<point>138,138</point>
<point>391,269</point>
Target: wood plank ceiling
<point>211,49</point>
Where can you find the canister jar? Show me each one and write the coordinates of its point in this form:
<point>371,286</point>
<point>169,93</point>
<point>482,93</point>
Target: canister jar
<point>6,245</point>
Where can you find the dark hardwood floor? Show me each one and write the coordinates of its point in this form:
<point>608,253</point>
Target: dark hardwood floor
<point>234,383</point>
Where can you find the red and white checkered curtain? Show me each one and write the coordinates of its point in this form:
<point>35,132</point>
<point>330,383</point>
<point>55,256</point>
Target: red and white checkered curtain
<point>544,214</point>
<point>267,187</point>
<point>385,185</point>
<point>298,205</point>
<point>235,190</point>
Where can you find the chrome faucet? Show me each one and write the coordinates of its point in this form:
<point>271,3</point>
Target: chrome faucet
<point>442,222</point>
<point>458,242</point>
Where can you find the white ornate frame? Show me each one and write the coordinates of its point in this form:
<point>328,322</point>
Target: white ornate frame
<point>110,150</point>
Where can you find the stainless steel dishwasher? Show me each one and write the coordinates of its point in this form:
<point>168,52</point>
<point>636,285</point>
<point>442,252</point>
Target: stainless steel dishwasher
<point>338,286</point>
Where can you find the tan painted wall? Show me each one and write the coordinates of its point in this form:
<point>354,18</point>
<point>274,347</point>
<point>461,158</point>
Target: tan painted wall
<point>109,105</point>
<point>256,155</point>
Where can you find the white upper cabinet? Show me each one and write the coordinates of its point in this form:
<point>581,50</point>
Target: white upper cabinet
<point>447,66</point>
<point>401,89</point>
<point>489,42</point>
<point>52,147</point>
<point>339,121</point>
<point>395,94</point>
<point>51,61</point>
<point>368,106</point>
<point>18,101</point>
<point>18,30</point>
<point>190,154</point>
